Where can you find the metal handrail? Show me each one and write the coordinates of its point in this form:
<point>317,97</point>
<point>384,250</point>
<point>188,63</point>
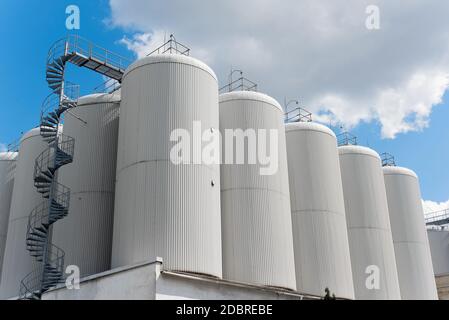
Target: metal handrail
<point>41,213</point>
<point>298,115</point>
<point>61,194</point>
<point>79,45</point>
<point>66,144</point>
<point>172,48</point>
<point>13,146</point>
<point>346,138</point>
<point>43,161</point>
<point>108,86</point>
<point>46,158</point>
<point>57,50</point>
<point>387,160</point>
<point>31,280</point>
<point>38,216</point>
<point>56,257</point>
<point>240,84</point>
<point>74,44</point>
<point>437,216</point>
<point>53,101</point>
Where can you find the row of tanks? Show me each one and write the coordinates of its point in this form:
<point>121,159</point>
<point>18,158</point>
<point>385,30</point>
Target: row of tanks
<point>328,217</point>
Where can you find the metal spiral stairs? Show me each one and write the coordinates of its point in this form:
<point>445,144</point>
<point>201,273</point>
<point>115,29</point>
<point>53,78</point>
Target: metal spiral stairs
<point>49,258</point>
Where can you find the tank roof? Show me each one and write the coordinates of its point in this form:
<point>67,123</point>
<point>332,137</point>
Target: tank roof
<point>99,98</point>
<point>308,126</point>
<point>249,95</point>
<point>358,150</point>
<point>33,132</point>
<point>399,171</point>
<point>170,58</point>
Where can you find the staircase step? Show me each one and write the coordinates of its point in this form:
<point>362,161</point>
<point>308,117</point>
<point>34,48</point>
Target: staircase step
<point>48,128</point>
<point>57,64</point>
<point>37,233</point>
<point>54,81</point>
<point>54,73</point>
<point>36,237</point>
<point>50,120</point>
<point>55,68</point>
<point>55,87</point>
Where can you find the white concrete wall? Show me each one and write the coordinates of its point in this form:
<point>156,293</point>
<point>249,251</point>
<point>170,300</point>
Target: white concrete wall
<point>148,281</point>
<point>127,283</point>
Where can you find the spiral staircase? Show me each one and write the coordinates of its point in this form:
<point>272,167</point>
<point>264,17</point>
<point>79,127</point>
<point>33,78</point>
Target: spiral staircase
<point>49,266</point>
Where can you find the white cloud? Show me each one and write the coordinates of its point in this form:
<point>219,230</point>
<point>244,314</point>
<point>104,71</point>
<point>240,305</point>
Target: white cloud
<point>407,108</point>
<point>317,51</point>
<point>143,43</point>
<point>432,206</point>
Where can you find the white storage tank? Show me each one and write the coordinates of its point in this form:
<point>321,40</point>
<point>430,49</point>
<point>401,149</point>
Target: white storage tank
<point>320,237</point>
<point>85,234</point>
<point>17,262</point>
<point>370,240</point>
<point>164,209</point>
<point>411,246</point>
<point>256,218</point>
<point>7,171</point>
<point>439,249</point>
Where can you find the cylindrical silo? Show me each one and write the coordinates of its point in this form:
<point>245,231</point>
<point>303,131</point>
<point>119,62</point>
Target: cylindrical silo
<point>164,208</point>
<point>17,262</point>
<point>7,171</point>
<point>85,234</point>
<point>256,218</point>
<point>369,232</point>
<point>320,237</point>
<point>411,245</point>
<point>439,249</point>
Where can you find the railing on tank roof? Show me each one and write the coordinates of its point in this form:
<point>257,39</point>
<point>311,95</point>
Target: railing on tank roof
<point>297,114</point>
<point>346,139</point>
<point>387,160</point>
<point>13,146</point>
<point>239,84</point>
<point>108,86</point>
<point>171,46</point>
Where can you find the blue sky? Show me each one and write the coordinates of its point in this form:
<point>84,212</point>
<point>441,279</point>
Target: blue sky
<point>28,28</point>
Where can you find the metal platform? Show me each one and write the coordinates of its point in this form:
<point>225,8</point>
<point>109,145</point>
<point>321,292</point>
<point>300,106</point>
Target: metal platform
<point>438,218</point>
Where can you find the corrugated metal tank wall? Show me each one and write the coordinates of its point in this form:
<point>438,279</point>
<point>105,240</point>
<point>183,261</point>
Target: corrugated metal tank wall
<point>17,262</point>
<point>411,246</point>
<point>163,209</point>
<point>7,171</point>
<point>439,248</point>
<point>369,231</point>
<point>256,218</point>
<point>85,234</point>
<point>320,236</point>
